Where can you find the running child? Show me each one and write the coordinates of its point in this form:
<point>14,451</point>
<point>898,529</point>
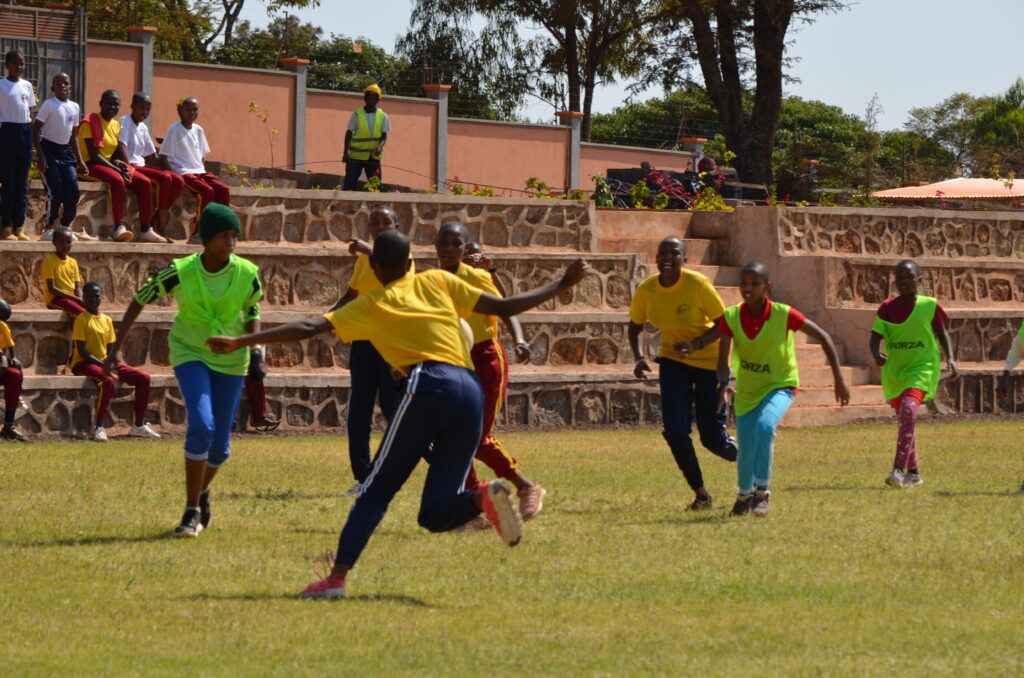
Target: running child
<point>685,306</point>
<point>182,152</point>
<point>93,337</point>
<point>413,321</point>
<point>913,327</point>
<point>11,378</point>
<point>217,291</point>
<point>490,364</point>
<point>62,281</point>
<point>57,155</point>
<point>17,100</point>
<point>371,375</point>
<point>760,332</point>
<point>100,145</point>
<point>139,148</point>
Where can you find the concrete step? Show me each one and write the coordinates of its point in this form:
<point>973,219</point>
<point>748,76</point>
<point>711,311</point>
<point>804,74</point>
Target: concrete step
<point>821,375</point>
<point>699,251</point>
<point>824,396</point>
<point>835,416</point>
<point>718,275</point>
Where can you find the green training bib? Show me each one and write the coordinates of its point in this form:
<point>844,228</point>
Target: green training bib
<point>913,353</point>
<point>765,363</point>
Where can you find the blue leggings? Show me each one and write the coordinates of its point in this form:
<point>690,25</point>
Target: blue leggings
<point>211,401</point>
<point>756,431</point>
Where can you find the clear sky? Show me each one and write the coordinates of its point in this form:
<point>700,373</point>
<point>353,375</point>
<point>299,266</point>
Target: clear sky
<point>911,52</point>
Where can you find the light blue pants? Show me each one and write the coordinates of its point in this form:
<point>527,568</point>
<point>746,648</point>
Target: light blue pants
<point>211,401</point>
<point>756,431</point>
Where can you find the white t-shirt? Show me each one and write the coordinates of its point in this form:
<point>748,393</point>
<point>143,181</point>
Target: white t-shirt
<point>17,99</point>
<point>137,142</point>
<point>371,118</point>
<point>59,119</point>
<point>185,148</point>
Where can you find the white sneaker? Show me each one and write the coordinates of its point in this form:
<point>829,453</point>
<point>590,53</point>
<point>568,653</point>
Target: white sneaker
<point>99,435</point>
<point>143,431</point>
<point>83,235</point>
<point>121,234</point>
<point>46,235</point>
<point>895,479</point>
<point>151,236</point>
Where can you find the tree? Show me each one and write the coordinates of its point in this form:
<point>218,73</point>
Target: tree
<point>999,134</point>
<point>951,124</point>
<point>264,48</point>
<point>734,42</point>
<point>659,122</point>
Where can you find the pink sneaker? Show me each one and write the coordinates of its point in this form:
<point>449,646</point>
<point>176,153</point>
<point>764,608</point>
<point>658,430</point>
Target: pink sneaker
<point>531,501</point>
<point>503,514</point>
<point>331,586</point>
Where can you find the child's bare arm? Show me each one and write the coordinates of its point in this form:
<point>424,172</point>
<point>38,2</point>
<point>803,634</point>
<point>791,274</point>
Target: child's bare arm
<point>130,314</point>
<point>61,294</point>
<point>349,295</point>
<point>640,364</point>
<point>86,356</point>
<point>516,304</point>
<point>77,152</point>
<point>947,347</point>
<point>722,371</point>
<point>812,330</point>
<point>875,344</point>
<point>348,140</point>
<point>296,331</point>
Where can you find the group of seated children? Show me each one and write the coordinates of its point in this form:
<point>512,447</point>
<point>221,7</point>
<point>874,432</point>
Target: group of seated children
<point>118,151</point>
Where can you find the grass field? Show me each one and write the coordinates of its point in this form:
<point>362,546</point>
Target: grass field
<point>845,577</point>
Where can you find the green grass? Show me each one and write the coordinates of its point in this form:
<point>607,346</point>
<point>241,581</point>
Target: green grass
<point>845,577</point>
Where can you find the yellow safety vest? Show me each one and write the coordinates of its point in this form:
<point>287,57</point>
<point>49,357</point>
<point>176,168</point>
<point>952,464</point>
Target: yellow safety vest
<point>362,144</point>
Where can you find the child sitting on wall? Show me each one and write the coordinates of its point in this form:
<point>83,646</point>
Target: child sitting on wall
<point>62,281</point>
<point>10,378</point>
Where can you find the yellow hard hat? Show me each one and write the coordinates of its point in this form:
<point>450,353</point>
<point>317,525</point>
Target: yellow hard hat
<point>375,88</point>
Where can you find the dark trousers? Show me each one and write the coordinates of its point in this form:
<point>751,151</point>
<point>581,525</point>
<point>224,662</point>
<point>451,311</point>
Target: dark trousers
<point>354,167</point>
<point>685,388</point>
<point>371,379</point>
<point>438,419</point>
<point>61,182</point>
<point>15,159</point>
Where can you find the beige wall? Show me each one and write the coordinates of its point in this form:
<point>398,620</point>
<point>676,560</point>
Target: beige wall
<point>235,134</point>
<point>107,66</point>
<point>596,159</point>
<point>503,155</point>
<point>409,156</point>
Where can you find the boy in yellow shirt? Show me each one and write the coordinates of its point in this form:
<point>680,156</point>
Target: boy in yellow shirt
<point>62,281</point>
<point>413,321</point>
<point>92,336</point>
<point>10,378</point>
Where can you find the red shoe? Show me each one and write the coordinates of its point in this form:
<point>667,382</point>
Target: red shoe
<point>331,586</point>
<point>502,512</point>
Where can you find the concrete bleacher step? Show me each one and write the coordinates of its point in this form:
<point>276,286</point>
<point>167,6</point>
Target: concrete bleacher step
<point>834,416</point>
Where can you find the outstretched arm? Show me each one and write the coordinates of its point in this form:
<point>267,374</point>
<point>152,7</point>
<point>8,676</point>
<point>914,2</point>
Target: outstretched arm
<point>725,389</point>
<point>114,354</point>
<point>1012,360</point>
<point>518,303</point>
<point>640,365</point>
<point>296,331</point>
<point>876,349</point>
<point>812,330</point>
<point>947,348</point>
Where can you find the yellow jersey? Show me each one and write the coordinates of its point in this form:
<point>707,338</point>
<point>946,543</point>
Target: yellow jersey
<point>485,327</point>
<point>6,340</point>
<point>412,319</point>
<point>111,132</point>
<point>63,272</point>
<point>682,312</point>
<point>364,280</point>
<point>97,331</point>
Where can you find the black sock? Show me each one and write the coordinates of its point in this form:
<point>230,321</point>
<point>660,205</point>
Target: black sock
<point>144,227</point>
<point>911,470</point>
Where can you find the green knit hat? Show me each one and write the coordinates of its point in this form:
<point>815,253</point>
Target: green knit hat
<point>215,219</point>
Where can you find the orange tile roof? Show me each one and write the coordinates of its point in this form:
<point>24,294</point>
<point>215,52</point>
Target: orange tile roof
<point>957,189</point>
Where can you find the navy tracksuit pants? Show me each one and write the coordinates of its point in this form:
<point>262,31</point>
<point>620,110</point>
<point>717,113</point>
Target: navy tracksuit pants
<point>439,419</point>
<point>685,389</point>
<point>371,378</point>
<point>61,181</point>
<point>15,159</point>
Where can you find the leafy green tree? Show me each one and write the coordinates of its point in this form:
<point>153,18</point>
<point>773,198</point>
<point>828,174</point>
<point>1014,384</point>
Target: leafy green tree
<point>999,134</point>
<point>265,47</point>
<point>659,122</point>
<point>951,124</point>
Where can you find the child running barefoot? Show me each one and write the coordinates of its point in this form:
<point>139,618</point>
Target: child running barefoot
<point>764,356</point>
<point>17,100</point>
<point>413,320</point>
<point>489,363</point>
<point>93,336</point>
<point>55,134</point>
<point>62,280</point>
<point>10,378</point>
<point>217,291</point>
<point>913,327</point>
<point>371,375</point>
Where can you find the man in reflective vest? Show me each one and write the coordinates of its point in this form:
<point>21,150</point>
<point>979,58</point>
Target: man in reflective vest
<point>364,140</point>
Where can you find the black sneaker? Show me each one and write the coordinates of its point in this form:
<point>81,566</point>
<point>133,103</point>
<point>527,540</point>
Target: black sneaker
<point>759,506</point>
<point>701,503</point>
<point>204,509</point>
<point>190,525</point>
<point>13,434</point>
<point>742,505</point>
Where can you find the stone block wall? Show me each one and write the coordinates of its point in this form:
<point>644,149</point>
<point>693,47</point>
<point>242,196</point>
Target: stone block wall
<point>312,216</point>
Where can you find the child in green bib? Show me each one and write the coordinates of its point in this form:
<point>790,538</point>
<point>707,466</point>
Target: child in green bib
<point>760,333</point>
<point>912,326</point>
<point>1012,360</point>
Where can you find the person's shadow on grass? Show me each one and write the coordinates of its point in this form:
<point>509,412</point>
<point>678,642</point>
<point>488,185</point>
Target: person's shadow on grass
<point>90,540</point>
<point>364,598</point>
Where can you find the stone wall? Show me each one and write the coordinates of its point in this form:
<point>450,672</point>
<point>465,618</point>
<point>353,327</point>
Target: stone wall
<point>65,405</point>
<point>316,216</point>
<point>869,281</point>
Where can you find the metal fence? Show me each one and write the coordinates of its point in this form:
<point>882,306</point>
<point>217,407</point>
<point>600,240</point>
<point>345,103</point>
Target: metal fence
<point>52,40</point>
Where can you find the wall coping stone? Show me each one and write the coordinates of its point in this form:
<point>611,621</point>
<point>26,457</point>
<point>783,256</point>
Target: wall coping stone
<point>928,212</point>
<point>359,95</point>
<point>218,67</point>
